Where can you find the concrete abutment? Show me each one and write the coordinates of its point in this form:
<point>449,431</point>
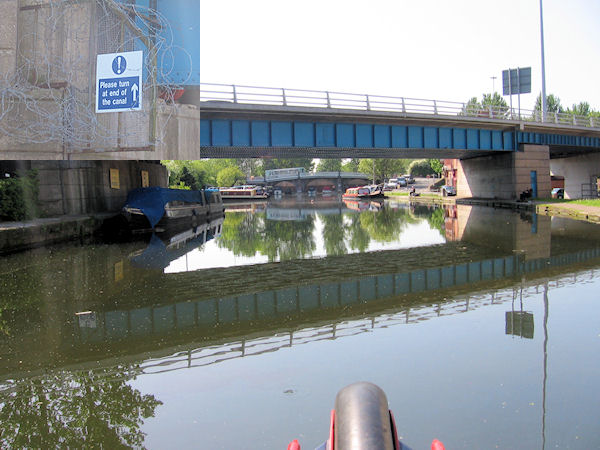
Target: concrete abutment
<point>505,175</point>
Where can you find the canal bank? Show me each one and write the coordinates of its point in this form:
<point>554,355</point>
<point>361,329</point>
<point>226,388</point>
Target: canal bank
<point>18,236</point>
<point>568,210</point>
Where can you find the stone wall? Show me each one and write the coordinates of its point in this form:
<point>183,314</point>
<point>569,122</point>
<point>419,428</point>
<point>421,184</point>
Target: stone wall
<point>84,187</point>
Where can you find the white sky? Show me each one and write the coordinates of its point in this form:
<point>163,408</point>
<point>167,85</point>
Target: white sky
<point>429,49</point>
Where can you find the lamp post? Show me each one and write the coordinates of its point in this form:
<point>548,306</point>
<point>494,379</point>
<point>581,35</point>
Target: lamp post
<point>544,105</point>
<point>493,85</point>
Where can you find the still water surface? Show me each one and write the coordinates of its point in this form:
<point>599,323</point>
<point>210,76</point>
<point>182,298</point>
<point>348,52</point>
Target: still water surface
<point>482,327</point>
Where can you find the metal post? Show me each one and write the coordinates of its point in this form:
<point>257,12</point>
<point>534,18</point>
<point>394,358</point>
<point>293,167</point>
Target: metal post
<point>368,103</point>
<point>234,94</point>
<point>544,105</point>
<point>519,90</point>
<point>328,100</point>
<point>283,95</point>
<point>510,93</point>
<point>435,111</point>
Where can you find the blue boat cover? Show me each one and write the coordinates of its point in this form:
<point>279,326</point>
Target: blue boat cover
<point>152,200</point>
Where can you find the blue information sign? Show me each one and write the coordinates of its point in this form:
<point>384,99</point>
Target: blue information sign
<point>119,82</point>
<point>116,93</point>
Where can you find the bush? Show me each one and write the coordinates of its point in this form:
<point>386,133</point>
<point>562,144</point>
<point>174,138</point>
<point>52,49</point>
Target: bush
<point>420,168</point>
<point>19,197</point>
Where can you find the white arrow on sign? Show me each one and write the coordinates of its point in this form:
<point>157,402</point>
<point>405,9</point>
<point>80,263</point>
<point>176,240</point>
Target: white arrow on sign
<point>134,89</point>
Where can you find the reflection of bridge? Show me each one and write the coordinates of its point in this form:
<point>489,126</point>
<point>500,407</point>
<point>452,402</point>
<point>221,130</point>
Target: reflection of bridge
<point>134,311</point>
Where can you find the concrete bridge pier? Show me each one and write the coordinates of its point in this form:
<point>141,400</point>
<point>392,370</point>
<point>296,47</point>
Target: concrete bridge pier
<point>506,175</point>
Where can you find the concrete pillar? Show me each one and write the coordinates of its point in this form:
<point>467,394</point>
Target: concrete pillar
<point>505,175</point>
<point>532,157</point>
<point>8,37</point>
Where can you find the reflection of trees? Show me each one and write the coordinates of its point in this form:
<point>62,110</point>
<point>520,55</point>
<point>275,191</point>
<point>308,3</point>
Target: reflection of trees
<point>434,215</point>
<point>333,234</point>
<point>74,409</point>
<point>289,240</point>
<point>359,238</point>
<point>241,233</point>
<point>248,234</point>
<point>385,225</point>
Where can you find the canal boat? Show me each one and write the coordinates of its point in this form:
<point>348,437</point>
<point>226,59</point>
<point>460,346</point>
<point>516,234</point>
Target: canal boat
<point>364,192</point>
<point>155,208</point>
<point>245,192</point>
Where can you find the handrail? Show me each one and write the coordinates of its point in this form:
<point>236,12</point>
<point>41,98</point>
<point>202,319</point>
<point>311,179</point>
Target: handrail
<point>260,95</point>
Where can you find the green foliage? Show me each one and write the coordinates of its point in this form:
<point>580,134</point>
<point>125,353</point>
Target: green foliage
<point>278,163</point>
<point>436,165</point>
<point>329,165</point>
<point>491,105</point>
<point>19,197</point>
<point>581,109</point>
<point>421,168</point>
<point>351,165</point>
<point>230,176</point>
<point>180,185</point>
<point>383,168</point>
<point>552,104</point>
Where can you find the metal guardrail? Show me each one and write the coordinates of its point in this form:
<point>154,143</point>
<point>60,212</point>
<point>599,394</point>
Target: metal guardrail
<point>256,95</point>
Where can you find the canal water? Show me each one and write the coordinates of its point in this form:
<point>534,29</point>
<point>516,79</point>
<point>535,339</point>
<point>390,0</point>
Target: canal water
<point>481,326</point>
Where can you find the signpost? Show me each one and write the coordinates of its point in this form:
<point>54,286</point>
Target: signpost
<point>516,81</point>
<point>119,82</point>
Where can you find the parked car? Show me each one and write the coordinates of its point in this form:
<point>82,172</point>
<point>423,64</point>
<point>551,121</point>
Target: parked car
<point>409,179</point>
<point>558,193</point>
<point>395,183</point>
<point>447,190</point>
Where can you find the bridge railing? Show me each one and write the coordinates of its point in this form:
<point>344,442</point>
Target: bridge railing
<point>256,95</point>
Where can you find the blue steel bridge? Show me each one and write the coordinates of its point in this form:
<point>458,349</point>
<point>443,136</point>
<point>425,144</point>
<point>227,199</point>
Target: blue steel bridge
<point>246,121</point>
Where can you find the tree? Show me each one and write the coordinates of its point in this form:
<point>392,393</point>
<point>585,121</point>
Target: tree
<point>229,176</point>
<point>581,109</point>
<point>278,163</point>
<point>329,165</point>
<point>421,167</point>
<point>436,165</point>
<point>350,165</point>
<point>491,105</point>
<point>552,104</point>
<point>383,168</point>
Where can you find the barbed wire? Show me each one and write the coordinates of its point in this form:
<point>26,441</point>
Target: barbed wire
<point>50,96</point>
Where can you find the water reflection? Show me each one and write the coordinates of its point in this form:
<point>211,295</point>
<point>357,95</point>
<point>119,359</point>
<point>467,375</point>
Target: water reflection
<point>74,409</point>
<point>82,322</point>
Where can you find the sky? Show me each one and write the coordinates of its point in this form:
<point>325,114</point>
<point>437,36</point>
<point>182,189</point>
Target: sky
<point>426,49</point>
